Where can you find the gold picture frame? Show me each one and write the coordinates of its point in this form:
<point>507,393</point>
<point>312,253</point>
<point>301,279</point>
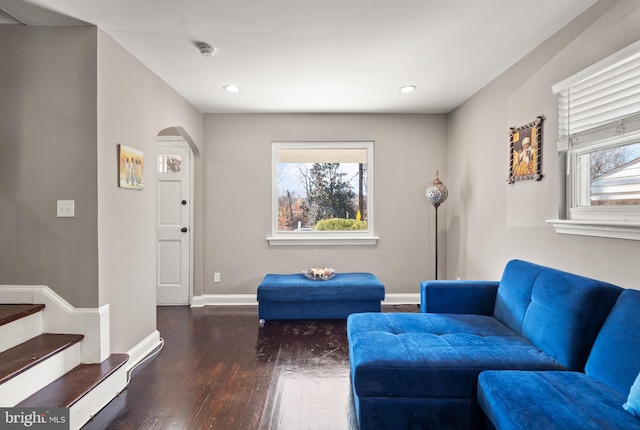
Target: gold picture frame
<point>525,152</point>
<point>130,168</point>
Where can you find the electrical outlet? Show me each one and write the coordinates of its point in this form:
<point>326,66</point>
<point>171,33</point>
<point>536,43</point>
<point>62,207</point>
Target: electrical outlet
<point>216,277</point>
<point>66,208</point>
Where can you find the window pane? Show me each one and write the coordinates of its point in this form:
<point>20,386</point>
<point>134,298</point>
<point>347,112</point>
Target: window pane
<point>314,196</point>
<point>169,163</point>
<point>614,175</point>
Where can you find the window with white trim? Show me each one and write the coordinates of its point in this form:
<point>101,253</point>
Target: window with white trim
<point>599,148</point>
<point>322,193</point>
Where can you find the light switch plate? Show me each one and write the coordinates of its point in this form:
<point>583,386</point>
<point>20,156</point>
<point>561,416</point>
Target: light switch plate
<point>66,208</point>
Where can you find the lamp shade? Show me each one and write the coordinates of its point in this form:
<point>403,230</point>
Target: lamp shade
<point>436,192</point>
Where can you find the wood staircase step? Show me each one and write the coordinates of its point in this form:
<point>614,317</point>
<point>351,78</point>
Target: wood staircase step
<point>71,387</point>
<point>20,358</point>
<point>10,313</point>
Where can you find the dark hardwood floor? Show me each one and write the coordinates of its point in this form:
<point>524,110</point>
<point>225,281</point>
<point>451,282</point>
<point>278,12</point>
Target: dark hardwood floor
<point>220,370</point>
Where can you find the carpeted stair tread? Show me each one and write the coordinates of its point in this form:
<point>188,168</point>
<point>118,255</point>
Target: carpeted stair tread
<point>26,355</point>
<point>10,313</point>
<point>71,387</point>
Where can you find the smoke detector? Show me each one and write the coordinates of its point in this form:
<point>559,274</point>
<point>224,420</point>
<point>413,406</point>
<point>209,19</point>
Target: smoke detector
<point>206,50</point>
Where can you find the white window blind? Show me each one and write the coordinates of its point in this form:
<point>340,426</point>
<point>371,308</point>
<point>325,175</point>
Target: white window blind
<point>602,101</point>
<point>599,146</point>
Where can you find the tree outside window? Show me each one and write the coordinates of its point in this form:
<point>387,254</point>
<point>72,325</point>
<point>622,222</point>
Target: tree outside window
<point>615,176</point>
<point>322,187</point>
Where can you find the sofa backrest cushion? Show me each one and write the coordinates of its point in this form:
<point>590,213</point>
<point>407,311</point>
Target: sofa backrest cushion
<point>559,312</point>
<point>514,293</point>
<point>615,356</point>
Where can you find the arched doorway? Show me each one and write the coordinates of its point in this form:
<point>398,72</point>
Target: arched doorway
<point>174,217</point>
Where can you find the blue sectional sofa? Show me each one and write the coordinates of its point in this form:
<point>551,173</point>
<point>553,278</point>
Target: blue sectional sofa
<point>573,400</point>
<point>420,370</point>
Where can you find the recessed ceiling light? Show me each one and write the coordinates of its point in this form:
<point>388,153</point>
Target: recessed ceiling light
<point>408,89</point>
<point>231,88</point>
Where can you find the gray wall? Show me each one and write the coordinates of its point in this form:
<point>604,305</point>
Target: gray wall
<point>48,152</point>
<point>489,221</point>
<point>408,150</point>
<point>70,95</point>
<point>134,106</point>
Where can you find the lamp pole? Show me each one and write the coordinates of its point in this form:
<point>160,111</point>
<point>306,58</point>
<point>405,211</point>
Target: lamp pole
<point>436,269</point>
<point>436,194</point>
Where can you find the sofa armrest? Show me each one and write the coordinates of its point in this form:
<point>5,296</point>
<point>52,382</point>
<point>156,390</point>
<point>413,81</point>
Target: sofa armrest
<point>458,297</point>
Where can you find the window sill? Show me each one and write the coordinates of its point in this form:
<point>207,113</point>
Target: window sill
<point>615,230</point>
<point>315,241</point>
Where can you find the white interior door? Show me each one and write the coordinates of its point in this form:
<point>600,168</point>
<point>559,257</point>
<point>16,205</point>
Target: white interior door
<point>173,224</point>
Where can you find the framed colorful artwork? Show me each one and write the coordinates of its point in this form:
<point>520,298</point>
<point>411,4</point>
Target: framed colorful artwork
<point>130,168</point>
<point>525,152</point>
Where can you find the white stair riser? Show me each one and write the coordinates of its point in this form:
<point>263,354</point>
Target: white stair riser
<point>60,317</point>
<point>27,383</point>
<point>21,330</point>
<point>89,405</point>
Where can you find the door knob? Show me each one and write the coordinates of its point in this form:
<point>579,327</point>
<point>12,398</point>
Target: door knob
<point>184,202</point>
<point>183,229</point>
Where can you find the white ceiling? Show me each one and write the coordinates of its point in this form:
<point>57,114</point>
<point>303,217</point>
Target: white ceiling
<point>318,55</point>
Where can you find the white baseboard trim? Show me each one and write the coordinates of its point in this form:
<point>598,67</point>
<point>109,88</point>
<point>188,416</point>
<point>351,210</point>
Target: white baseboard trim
<point>60,317</point>
<point>142,349</point>
<point>401,299</point>
<point>250,299</point>
<point>223,299</point>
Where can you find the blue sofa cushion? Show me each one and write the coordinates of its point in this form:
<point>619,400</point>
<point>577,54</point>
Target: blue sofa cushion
<point>433,355</point>
<point>458,297</point>
<point>551,400</point>
<point>615,357</point>
<point>559,312</point>
<point>514,293</point>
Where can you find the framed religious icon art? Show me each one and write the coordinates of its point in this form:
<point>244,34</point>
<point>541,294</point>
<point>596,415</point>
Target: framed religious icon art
<point>525,152</point>
<point>130,168</point>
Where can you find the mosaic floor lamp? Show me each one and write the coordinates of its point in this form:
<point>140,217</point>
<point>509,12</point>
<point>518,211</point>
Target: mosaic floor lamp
<point>436,195</point>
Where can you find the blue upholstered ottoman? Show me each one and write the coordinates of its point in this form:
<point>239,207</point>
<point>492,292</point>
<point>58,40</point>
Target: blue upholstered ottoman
<point>284,297</point>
